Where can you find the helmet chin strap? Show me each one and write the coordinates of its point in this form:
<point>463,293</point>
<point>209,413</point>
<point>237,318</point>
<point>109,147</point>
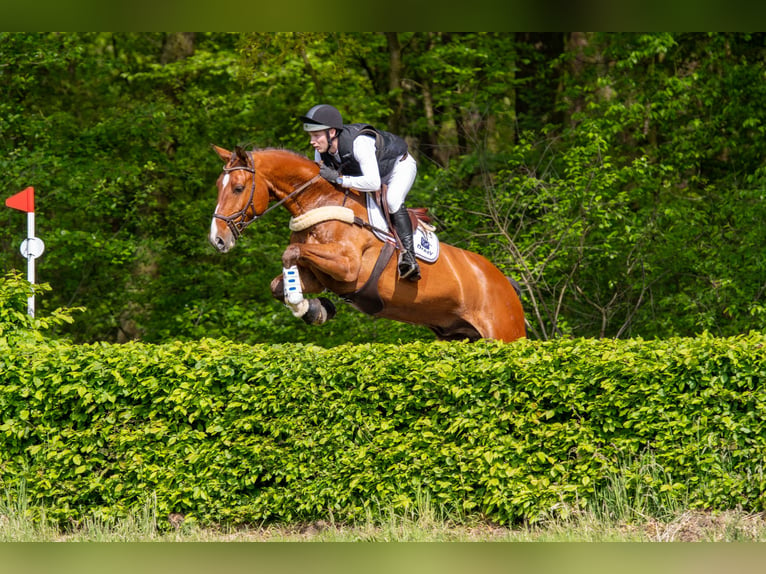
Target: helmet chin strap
<point>330,140</point>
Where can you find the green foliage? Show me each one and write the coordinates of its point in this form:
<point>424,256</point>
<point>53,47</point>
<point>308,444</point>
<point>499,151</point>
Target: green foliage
<point>230,433</point>
<point>638,217</point>
<point>618,176</point>
<point>16,324</point>
<point>683,100</point>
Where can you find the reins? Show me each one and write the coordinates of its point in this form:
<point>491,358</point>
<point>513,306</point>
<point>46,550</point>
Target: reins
<point>237,224</point>
<point>236,221</point>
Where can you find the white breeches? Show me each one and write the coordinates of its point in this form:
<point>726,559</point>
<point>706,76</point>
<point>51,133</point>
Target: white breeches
<point>400,181</point>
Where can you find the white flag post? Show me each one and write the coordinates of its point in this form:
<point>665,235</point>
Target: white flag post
<point>32,247</point>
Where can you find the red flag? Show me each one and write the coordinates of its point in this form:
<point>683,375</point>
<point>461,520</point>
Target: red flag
<point>23,201</point>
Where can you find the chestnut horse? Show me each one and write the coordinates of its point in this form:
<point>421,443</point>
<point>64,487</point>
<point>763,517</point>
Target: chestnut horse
<point>461,295</point>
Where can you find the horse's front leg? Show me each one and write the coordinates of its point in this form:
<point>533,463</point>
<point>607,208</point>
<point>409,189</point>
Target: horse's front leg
<point>333,259</point>
<point>337,260</point>
<point>312,311</point>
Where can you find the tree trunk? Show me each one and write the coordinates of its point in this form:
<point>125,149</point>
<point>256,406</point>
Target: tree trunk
<point>395,81</point>
<point>177,46</point>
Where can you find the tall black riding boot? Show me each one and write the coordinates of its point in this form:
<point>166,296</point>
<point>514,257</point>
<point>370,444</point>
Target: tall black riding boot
<point>408,265</point>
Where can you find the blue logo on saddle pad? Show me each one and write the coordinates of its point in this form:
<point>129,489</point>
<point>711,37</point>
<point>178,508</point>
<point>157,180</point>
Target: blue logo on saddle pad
<point>426,244</point>
<point>425,241</point>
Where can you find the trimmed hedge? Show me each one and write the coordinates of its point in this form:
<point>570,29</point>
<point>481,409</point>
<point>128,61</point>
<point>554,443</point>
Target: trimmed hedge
<point>228,433</point>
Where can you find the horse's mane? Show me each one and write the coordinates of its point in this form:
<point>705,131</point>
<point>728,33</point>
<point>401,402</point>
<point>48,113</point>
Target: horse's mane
<point>301,162</point>
<point>279,150</point>
<point>288,165</point>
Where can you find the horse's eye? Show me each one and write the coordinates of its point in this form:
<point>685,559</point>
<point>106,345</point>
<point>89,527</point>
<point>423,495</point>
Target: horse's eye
<point>238,188</point>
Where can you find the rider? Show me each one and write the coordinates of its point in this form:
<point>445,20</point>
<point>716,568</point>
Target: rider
<point>362,157</point>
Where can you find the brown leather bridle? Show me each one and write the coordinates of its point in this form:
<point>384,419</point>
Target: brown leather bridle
<point>236,222</point>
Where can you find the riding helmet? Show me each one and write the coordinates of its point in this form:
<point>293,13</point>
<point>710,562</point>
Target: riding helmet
<point>322,117</point>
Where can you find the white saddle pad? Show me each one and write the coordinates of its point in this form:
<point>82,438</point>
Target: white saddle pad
<point>425,240</point>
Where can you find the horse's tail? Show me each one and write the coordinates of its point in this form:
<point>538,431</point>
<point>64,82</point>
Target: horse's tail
<point>517,287</point>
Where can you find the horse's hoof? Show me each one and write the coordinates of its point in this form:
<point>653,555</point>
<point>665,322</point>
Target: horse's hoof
<point>320,311</point>
<point>329,307</point>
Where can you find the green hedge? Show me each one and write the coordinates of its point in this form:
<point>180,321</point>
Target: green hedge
<point>229,433</point>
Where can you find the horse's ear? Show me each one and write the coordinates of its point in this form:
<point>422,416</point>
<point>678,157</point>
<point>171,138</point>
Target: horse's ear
<point>241,154</point>
<point>224,154</point>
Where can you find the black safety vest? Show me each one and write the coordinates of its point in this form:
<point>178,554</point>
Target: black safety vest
<point>389,148</point>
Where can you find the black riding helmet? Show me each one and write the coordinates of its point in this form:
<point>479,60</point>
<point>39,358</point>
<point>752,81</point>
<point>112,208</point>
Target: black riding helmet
<point>322,117</point>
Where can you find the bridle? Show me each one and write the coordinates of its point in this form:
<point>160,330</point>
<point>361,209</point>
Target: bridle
<point>236,222</point>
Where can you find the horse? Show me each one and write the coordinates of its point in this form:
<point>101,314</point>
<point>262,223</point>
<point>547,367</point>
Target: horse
<point>333,247</point>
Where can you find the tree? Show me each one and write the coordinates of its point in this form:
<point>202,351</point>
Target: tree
<point>618,176</point>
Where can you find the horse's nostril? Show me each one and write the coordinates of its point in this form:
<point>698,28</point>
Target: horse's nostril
<point>218,243</point>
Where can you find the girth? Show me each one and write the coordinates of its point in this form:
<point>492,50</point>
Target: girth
<point>367,298</point>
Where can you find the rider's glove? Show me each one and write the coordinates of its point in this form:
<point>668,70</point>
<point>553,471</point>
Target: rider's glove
<point>330,174</point>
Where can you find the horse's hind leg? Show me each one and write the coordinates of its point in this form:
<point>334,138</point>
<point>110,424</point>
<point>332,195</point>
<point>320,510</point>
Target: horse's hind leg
<point>460,330</point>
<point>498,314</point>
<point>505,322</point>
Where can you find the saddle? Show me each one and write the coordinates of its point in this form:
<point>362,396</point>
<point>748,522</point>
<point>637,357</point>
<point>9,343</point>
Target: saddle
<point>426,243</point>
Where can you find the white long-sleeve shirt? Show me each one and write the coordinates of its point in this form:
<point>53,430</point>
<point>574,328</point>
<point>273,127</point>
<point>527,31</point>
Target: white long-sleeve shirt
<point>364,152</point>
